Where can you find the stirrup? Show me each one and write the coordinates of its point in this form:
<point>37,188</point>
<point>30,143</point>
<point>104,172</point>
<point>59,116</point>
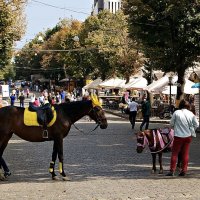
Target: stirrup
<point>45,134</point>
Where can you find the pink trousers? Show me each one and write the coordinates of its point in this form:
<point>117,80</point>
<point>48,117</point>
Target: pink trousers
<point>181,145</point>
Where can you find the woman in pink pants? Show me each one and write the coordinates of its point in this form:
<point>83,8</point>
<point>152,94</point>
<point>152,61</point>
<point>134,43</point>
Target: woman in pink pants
<point>181,121</point>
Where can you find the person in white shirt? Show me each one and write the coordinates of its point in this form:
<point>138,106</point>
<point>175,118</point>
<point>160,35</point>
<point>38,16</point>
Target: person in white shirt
<point>133,108</point>
<point>181,122</point>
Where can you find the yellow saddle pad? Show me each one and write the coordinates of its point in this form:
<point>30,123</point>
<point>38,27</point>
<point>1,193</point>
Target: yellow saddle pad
<point>30,118</point>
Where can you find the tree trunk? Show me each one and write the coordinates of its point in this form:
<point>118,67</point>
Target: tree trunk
<point>180,86</point>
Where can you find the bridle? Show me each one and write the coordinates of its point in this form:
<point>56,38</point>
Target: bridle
<point>98,121</point>
<point>145,141</point>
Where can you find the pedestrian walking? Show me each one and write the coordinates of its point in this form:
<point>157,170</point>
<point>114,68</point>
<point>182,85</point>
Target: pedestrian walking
<point>27,92</point>
<point>12,99</point>
<point>21,100</point>
<point>17,93</point>
<point>146,111</point>
<point>58,98</point>
<point>133,107</point>
<point>182,121</point>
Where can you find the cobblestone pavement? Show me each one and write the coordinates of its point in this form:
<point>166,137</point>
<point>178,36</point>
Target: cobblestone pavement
<point>103,166</point>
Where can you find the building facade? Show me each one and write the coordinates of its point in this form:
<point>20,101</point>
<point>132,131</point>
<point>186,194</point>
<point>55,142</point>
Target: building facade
<point>112,5</point>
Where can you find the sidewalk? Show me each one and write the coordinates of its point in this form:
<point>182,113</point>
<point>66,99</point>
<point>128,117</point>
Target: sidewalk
<point>126,116</point>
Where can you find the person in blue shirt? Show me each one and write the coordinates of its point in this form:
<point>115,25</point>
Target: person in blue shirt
<point>12,99</point>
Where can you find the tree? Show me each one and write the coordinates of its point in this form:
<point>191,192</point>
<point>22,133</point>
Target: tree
<point>66,57</point>
<point>168,31</point>
<point>114,53</point>
<point>12,27</point>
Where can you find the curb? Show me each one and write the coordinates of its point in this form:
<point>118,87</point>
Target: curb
<point>125,116</point>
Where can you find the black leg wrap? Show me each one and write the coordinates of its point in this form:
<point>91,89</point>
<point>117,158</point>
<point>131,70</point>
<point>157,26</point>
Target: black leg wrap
<point>63,174</point>
<point>51,169</point>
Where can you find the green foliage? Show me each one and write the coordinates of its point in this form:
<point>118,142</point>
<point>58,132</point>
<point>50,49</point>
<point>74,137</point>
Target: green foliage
<point>11,27</point>
<point>168,31</point>
<point>103,49</point>
<point>114,54</point>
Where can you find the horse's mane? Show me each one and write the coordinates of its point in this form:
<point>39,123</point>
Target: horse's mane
<point>70,107</point>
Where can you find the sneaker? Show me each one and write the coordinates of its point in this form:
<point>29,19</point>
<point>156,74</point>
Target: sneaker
<point>182,174</point>
<point>170,174</point>
<point>6,174</point>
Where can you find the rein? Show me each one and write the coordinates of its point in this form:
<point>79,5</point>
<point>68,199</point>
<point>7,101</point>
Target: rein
<point>98,124</point>
<point>164,146</point>
<point>83,131</point>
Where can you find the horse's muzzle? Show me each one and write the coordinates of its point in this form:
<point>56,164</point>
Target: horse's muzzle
<point>103,126</point>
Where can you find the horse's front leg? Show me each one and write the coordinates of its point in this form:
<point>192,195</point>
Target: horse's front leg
<point>52,163</point>
<point>160,162</point>
<point>154,163</point>
<point>60,157</point>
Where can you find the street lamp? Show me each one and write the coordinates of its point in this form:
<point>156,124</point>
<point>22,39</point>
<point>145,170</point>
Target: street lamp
<point>170,93</point>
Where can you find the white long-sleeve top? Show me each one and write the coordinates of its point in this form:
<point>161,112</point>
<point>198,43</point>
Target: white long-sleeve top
<point>133,106</point>
<point>180,120</point>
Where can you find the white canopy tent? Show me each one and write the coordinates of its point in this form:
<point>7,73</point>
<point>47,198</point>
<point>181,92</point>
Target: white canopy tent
<point>156,86</point>
<point>161,86</point>
<point>136,83</point>
<point>64,80</point>
<point>187,88</point>
<point>113,83</point>
<point>94,84</point>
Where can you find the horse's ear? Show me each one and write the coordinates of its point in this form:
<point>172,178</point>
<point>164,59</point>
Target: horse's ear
<point>95,101</point>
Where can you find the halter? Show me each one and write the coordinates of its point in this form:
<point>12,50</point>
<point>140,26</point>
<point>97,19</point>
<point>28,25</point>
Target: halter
<point>145,141</point>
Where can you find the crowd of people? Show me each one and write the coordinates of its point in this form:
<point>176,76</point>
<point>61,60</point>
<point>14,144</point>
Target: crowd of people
<point>39,99</point>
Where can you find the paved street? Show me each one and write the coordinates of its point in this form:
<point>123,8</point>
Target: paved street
<point>103,166</point>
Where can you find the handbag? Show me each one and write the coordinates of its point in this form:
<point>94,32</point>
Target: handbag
<point>191,127</point>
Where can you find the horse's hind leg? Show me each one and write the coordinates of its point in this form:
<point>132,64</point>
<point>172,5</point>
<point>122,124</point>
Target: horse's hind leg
<point>153,171</point>
<point>3,144</point>
<point>52,163</point>
<point>160,162</point>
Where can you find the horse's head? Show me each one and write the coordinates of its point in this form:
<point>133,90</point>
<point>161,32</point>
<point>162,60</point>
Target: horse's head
<point>98,115</point>
<point>141,141</point>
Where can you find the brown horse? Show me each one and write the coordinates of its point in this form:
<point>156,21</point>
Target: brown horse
<point>12,121</point>
<point>158,141</point>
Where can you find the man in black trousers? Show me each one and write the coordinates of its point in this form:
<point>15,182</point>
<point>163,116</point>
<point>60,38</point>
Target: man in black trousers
<point>133,108</point>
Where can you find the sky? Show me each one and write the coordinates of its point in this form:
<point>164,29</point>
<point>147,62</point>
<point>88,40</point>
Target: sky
<point>43,14</point>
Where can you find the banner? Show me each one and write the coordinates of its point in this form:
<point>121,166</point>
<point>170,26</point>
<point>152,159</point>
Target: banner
<point>5,91</point>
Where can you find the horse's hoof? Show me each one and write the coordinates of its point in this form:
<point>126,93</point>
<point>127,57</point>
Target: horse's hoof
<point>2,178</point>
<point>153,172</point>
<point>161,172</point>
<point>66,178</point>
<point>55,178</point>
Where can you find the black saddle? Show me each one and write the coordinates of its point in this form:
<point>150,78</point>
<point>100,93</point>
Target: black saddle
<point>44,114</point>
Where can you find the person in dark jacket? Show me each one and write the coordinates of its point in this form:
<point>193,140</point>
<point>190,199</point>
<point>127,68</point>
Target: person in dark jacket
<point>21,100</point>
<point>146,112</point>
